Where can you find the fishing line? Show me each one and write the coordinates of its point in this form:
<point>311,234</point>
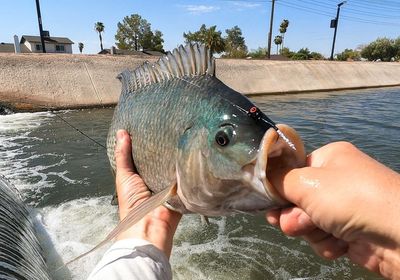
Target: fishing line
<point>80,131</point>
<point>280,133</point>
<point>272,124</point>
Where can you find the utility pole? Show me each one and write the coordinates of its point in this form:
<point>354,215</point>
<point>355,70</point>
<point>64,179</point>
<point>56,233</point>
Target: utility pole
<point>40,25</point>
<point>270,30</point>
<point>334,24</point>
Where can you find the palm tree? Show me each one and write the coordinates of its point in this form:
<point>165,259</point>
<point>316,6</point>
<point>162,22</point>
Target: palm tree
<point>81,46</point>
<point>282,29</point>
<point>214,40</point>
<point>99,27</point>
<point>277,41</point>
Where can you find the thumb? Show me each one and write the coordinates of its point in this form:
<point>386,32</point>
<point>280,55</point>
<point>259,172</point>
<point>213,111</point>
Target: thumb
<point>123,152</point>
<point>299,185</point>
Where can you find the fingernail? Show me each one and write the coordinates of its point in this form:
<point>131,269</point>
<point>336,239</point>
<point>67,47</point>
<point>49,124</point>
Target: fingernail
<point>304,219</point>
<point>120,135</point>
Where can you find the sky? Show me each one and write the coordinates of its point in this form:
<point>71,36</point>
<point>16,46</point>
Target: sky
<point>360,22</point>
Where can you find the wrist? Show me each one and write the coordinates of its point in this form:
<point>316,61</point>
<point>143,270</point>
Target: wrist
<point>158,228</point>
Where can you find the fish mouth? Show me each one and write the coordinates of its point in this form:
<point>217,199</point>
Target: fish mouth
<point>276,157</point>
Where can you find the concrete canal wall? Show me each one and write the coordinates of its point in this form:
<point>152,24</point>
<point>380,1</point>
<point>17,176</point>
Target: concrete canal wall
<point>41,81</point>
<point>54,81</point>
<point>260,76</point>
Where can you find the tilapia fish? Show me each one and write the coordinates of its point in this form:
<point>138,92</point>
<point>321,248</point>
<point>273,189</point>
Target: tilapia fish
<point>194,132</point>
<point>200,146</point>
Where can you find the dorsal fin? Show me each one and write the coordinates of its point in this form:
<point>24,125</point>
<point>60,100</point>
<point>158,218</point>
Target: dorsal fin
<point>191,60</point>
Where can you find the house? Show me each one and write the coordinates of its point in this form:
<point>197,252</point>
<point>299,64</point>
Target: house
<point>113,50</point>
<point>52,44</point>
<point>155,53</point>
<point>10,48</point>
<point>33,44</point>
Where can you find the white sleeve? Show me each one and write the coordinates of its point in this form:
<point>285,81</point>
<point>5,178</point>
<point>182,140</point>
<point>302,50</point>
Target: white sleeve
<point>132,259</point>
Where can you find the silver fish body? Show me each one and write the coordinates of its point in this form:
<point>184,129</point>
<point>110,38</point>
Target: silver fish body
<point>190,129</point>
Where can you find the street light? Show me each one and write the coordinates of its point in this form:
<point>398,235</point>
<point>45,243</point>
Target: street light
<point>334,24</point>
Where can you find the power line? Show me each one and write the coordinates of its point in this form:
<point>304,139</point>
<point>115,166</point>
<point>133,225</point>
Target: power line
<point>366,11</point>
<point>323,12</point>
<point>305,9</point>
<point>350,10</point>
<point>368,4</point>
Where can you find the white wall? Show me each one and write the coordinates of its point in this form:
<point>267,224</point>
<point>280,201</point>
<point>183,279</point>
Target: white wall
<point>50,48</point>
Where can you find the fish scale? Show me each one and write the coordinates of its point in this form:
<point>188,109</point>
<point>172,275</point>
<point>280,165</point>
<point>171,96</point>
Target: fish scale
<point>191,130</point>
<point>199,145</point>
<point>159,132</point>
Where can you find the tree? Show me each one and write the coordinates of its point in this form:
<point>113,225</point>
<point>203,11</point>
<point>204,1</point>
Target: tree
<point>302,54</point>
<point>158,41</point>
<point>286,52</point>
<point>258,53</point>
<point>99,27</point>
<point>316,56</point>
<point>397,48</point>
<point>348,54</point>
<point>277,41</point>
<point>381,49</point>
<point>207,36</point>
<point>282,29</point>
<point>134,33</point>
<point>235,45</point>
<point>81,46</point>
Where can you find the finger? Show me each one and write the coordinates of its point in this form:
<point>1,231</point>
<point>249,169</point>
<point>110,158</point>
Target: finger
<point>316,235</point>
<point>300,185</point>
<point>295,222</point>
<point>123,152</point>
<point>272,217</point>
<point>330,247</point>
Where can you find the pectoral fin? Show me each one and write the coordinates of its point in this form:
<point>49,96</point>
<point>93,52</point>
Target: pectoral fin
<point>134,216</point>
<point>114,200</point>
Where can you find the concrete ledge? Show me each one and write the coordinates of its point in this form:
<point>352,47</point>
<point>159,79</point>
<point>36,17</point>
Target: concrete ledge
<point>272,77</point>
<point>56,81</point>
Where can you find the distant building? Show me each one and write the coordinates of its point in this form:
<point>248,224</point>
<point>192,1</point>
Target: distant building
<point>10,48</point>
<point>33,44</point>
<point>52,44</point>
<point>155,53</point>
<point>114,50</point>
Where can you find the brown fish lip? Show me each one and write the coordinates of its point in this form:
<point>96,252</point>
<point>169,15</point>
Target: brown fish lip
<point>275,157</point>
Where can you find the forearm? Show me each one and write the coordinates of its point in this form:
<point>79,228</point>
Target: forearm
<point>132,259</point>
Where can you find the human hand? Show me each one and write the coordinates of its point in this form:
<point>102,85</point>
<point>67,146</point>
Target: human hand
<point>346,204</point>
<point>157,227</point>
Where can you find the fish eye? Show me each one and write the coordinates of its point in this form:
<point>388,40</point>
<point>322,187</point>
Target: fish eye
<point>224,136</point>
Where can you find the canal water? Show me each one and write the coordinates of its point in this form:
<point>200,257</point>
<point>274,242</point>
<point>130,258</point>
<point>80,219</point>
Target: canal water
<point>66,180</point>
